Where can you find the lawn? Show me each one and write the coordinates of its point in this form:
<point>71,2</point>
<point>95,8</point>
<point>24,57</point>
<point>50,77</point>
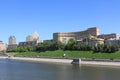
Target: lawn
<point>69,54</point>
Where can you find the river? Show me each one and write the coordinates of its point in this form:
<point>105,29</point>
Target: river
<point>23,70</point>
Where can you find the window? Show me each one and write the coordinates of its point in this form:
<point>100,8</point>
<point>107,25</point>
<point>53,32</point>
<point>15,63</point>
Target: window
<point>64,40</point>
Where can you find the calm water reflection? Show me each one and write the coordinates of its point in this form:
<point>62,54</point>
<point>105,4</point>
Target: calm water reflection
<point>21,70</point>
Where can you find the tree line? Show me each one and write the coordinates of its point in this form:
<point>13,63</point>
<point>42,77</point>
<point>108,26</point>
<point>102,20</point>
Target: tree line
<point>71,45</point>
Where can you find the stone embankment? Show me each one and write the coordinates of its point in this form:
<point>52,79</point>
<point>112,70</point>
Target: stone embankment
<point>101,62</point>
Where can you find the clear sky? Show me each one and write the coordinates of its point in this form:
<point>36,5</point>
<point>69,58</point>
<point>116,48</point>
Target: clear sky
<point>23,17</point>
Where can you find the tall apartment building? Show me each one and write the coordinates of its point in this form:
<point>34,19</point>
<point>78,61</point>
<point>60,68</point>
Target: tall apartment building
<point>11,43</point>
<point>12,40</point>
<point>65,36</point>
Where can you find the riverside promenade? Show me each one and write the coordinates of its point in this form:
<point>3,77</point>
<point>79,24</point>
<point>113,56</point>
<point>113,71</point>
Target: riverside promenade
<point>50,60</point>
<point>103,62</point>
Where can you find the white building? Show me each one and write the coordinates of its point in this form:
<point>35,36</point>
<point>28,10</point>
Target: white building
<point>11,43</point>
<point>34,37</point>
<point>12,40</point>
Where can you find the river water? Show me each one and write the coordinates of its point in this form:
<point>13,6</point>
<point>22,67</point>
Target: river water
<point>23,70</point>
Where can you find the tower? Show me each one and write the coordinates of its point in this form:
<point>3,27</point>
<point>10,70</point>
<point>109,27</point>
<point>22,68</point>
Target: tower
<point>12,40</point>
<point>35,36</point>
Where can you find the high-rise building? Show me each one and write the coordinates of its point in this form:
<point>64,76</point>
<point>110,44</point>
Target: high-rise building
<point>12,40</point>
<point>12,43</point>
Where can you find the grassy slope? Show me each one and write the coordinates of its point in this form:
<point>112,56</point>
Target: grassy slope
<point>69,54</point>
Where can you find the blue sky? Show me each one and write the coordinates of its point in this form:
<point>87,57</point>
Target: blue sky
<point>22,17</point>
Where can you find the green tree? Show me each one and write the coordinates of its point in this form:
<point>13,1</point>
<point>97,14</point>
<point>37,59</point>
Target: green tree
<point>71,44</point>
<point>45,46</point>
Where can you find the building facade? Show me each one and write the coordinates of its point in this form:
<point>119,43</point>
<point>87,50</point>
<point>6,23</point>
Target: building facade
<point>113,42</point>
<point>28,43</point>
<point>2,46</point>
<point>93,41</point>
<point>11,43</point>
<point>48,40</point>
<point>66,36</point>
<point>34,37</point>
<point>11,47</point>
<point>12,40</point>
<point>109,36</point>
<point>31,40</point>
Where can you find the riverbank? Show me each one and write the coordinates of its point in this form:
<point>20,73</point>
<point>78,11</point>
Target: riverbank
<point>67,61</point>
<point>50,60</point>
<point>69,54</point>
<point>100,63</point>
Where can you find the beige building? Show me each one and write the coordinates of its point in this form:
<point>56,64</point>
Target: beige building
<point>34,37</point>
<point>31,40</point>
<point>2,46</point>
<point>92,41</point>
<point>65,36</point>
<point>109,36</point>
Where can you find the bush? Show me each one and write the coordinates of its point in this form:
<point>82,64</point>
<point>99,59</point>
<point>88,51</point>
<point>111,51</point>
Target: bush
<point>50,46</point>
<point>106,48</point>
<point>23,49</point>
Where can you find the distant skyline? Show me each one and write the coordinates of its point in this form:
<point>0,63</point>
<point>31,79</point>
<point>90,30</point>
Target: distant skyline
<point>21,18</point>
